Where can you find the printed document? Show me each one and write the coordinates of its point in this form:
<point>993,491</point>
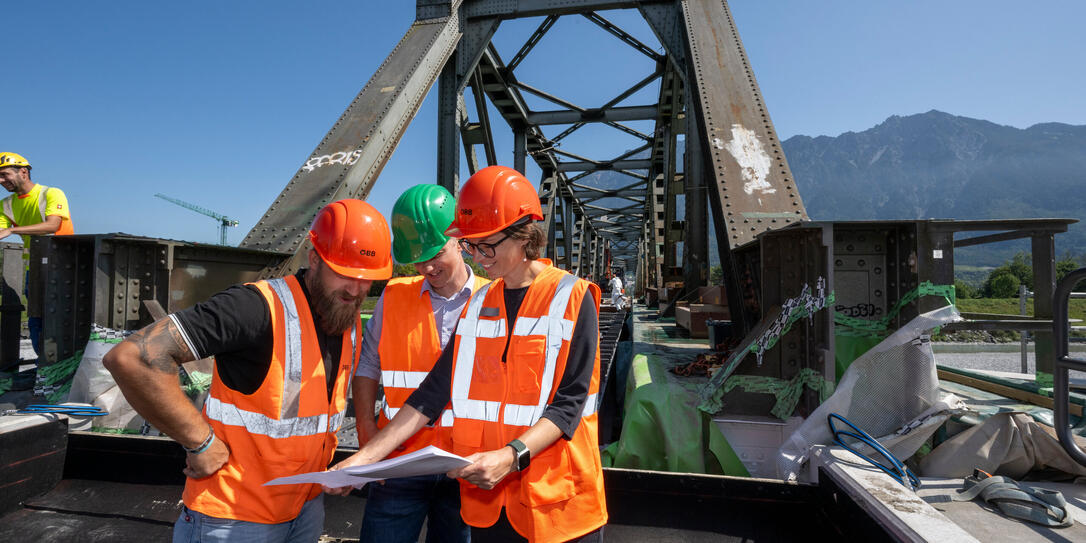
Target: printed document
<point>427,461</point>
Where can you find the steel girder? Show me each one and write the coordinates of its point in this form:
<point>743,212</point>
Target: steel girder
<point>349,158</point>
<point>733,164</point>
<point>746,172</point>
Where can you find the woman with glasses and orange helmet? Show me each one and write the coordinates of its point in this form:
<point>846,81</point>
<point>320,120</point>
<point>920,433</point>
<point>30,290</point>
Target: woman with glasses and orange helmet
<point>522,375</point>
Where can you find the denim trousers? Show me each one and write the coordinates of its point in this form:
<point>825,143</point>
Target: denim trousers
<point>396,509</point>
<point>195,527</point>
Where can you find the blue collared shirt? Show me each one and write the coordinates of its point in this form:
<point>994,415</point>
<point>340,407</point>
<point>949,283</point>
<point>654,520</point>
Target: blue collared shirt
<point>446,313</point>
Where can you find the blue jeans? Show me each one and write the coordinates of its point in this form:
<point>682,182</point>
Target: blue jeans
<point>395,511</point>
<point>307,527</point>
<point>33,324</point>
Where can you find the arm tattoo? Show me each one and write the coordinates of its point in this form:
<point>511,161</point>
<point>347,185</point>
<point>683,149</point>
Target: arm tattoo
<point>161,346</point>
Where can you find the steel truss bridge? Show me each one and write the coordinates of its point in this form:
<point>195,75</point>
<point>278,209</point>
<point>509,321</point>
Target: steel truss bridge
<point>732,163</point>
<point>732,167</point>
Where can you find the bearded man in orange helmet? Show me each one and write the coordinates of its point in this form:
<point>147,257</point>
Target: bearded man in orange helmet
<point>285,350</point>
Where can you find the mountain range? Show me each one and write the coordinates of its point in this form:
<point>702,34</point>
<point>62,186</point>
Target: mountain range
<point>938,165</point>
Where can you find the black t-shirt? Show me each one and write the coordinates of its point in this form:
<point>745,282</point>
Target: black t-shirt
<point>234,326</point>
<point>565,411</point>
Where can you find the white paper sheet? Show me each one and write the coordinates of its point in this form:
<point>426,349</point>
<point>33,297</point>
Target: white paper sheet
<point>427,461</point>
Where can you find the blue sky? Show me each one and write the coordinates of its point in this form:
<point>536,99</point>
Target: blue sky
<point>220,103</point>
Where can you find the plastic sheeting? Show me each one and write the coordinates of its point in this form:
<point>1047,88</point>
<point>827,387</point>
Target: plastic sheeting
<point>663,429</point>
<point>887,387</point>
<point>94,385</point>
<point>1009,444</point>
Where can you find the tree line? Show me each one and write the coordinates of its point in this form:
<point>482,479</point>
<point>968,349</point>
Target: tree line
<point>1004,281</point>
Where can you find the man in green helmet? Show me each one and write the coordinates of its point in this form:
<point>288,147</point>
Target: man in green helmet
<point>412,322</point>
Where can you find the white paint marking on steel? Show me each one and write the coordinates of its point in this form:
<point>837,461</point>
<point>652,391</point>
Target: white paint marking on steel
<point>752,158</point>
<point>348,158</point>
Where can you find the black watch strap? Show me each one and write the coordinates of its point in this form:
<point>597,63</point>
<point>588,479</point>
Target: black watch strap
<point>524,456</point>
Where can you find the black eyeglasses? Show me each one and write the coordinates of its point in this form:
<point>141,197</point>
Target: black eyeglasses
<point>487,250</point>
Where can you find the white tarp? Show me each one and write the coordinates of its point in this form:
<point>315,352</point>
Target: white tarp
<point>883,390</point>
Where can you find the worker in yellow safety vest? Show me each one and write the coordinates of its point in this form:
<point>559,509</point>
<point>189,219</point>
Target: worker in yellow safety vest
<point>285,351</point>
<point>31,210</point>
<point>411,324</point>
<point>523,377</point>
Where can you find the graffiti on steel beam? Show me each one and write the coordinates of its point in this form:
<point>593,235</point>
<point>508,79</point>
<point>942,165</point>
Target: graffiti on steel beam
<point>752,158</point>
<point>347,158</point>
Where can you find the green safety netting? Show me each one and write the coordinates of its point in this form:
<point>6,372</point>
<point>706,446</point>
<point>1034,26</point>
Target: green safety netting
<point>196,382</point>
<point>854,336</point>
<point>787,392</point>
<point>809,302</point>
<point>55,380</point>
<point>5,385</point>
<point>663,429</point>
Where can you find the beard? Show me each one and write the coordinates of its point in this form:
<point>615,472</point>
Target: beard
<point>332,315</point>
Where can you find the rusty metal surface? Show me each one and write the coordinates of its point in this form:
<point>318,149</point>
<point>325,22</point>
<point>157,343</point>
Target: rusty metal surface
<point>747,169</point>
<point>104,279</point>
<point>349,158</point>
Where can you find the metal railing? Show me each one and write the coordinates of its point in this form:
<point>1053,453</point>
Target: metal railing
<point>1023,295</point>
<point>1061,393</point>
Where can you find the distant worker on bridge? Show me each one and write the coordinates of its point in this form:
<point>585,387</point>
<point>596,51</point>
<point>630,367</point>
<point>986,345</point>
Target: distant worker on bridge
<point>412,323</point>
<point>285,350</point>
<point>31,210</point>
<point>522,374</point>
<point>614,284</point>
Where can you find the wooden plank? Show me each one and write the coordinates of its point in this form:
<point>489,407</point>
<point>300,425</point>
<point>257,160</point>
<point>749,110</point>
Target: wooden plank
<point>1010,392</point>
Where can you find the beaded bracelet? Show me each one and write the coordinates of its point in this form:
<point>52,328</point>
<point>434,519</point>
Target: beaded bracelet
<point>203,446</point>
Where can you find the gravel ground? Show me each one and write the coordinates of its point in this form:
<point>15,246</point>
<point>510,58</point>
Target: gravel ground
<point>994,357</point>
<point>992,361</point>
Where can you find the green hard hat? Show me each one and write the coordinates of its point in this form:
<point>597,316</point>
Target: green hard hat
<point>419,220</point>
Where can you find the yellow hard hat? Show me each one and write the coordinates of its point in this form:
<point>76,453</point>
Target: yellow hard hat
<point>13,159</point>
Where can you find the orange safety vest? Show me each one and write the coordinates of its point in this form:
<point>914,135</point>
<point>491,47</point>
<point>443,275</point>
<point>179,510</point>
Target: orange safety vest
<point>409,346</point>
<point>288,426</point>
<point>560,495</point>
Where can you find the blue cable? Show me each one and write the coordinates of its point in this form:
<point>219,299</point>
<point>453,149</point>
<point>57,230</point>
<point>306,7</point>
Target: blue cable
<point>897,469</point>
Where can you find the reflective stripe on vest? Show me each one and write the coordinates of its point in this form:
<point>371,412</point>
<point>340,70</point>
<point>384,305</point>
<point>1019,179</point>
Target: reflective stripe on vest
<point>402,379</point>
<point>554,326</point>
<point>10,213</point>
<point>292,373</point>
<point>408,379</point>
<point>258,423</point>
<point>446,419</point>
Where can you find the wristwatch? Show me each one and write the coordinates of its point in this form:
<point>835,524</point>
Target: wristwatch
<point>524,456</point>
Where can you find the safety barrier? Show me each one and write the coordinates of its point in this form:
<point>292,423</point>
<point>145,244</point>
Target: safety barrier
<point>1025,294</point>
<point>1061,380</point>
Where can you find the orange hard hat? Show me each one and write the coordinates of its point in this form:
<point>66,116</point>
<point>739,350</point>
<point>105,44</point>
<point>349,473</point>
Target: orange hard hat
<point>492,200</point>
<point>353,239</point>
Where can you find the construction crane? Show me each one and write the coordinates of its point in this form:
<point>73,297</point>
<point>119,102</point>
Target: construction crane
<point>224,221</point>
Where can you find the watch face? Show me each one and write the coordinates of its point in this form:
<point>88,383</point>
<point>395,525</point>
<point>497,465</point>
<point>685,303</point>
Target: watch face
<point>523,458</point>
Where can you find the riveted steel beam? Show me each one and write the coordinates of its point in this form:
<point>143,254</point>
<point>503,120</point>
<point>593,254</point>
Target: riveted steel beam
<point>349,158</point>
<point>635,164</point>
<point>746,169</point>
<point>514,9</point>
<point>532,41</point>
<point>622,35</point>
<point>629,113</point>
